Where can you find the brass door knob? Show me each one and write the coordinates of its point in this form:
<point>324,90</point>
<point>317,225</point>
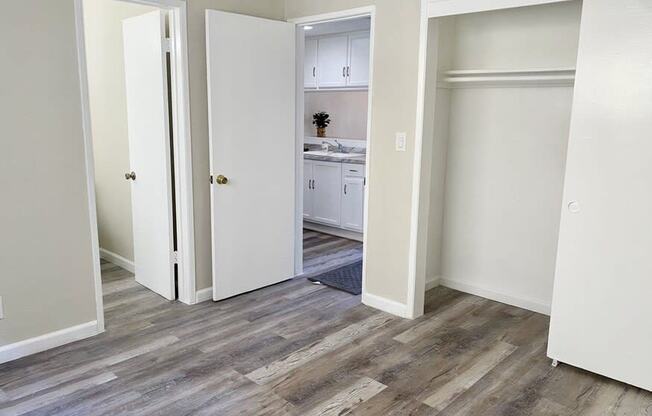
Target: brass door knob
<point>130,175</point>
<point>221,180</point>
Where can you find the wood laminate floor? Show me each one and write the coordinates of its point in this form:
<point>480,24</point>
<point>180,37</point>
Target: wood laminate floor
<point>323,252</point>
<point>301,349</point>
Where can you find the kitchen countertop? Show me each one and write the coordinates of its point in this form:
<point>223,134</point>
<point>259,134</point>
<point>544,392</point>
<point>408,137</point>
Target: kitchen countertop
<point>360,160</point>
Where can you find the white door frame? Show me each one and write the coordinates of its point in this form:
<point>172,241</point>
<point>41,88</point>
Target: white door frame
<point>369,11</point>
<point>182,149</point>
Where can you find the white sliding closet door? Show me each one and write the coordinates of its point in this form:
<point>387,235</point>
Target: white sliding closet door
<point>602,302</point>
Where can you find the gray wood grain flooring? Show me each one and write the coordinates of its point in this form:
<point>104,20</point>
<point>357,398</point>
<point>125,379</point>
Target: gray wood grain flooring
<point>324,252</point>
<point>302,349</point>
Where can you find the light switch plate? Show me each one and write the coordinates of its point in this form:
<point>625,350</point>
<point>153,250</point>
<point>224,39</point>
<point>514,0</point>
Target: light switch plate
<point>401,138</point>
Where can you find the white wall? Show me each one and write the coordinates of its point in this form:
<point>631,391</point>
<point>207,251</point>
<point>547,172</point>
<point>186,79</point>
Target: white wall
<point>108,106</point>
<point>46,263</point>
<point>544,36</point>
<point>435,133</point>
<point>506,150</point>
<point>347,109</point>
<point>504,178</point>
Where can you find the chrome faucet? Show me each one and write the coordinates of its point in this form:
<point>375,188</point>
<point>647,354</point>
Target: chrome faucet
<point>339,146</point>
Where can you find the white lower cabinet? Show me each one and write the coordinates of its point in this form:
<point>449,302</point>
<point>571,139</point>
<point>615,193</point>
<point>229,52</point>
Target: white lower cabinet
<point>323,198</point>
<point>333,194</point>
<point>353,182</point>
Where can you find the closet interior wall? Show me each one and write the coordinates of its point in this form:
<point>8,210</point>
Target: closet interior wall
<point>498,140</point>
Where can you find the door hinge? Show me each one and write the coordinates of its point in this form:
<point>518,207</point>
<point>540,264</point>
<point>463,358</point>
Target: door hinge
<point>167,44</point>
<point>211,179</point>
<point>175,257</point>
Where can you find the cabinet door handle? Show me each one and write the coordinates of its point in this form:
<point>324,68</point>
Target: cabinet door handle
<point>309,183</point>
<point>348,71</point>
<point>313,184</point>
<point>313,71</point>
<point>344,71</point>
<point>344,189</point>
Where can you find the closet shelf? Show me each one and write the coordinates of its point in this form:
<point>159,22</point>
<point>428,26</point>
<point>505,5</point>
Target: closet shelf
<point>470,78</point>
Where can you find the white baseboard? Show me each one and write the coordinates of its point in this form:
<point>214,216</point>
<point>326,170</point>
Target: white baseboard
<point>385,305</point>
<point>520,302</point>
<point>47,341</point>
<point>339,232</point>
<point>204,294</point>
<point>118,260</point>
<point>432,283</point>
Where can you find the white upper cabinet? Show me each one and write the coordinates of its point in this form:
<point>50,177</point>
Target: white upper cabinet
<point>358,69</point>
<point>337,61</point>
<point>332,59</point>
<point>310,63</point>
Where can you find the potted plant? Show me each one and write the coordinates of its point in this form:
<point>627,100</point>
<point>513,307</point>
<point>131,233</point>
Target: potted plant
<point>321,120</point>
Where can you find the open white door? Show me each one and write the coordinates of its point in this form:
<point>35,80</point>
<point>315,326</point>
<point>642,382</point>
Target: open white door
<point>251,128</point>
<point>149,151</point>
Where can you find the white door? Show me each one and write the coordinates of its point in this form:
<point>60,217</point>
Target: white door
<point>601,304</point>
<point>352,202</point>
<point>358,71</point>
<point>149,151</point>
<point>326,184</point>
<point>332,60</point>
<point>308,194</point>
<point>251,90</point>
<point>310,63</point>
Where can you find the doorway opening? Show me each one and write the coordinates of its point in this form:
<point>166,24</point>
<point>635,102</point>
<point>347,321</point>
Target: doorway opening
<point>133,69</point>
<point>333,106</point>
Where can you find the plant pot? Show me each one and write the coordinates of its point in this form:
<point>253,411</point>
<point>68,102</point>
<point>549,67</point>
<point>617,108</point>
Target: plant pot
<point>321,131</point>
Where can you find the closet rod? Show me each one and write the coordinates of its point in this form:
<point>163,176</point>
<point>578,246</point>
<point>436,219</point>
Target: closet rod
<point>469,78</point>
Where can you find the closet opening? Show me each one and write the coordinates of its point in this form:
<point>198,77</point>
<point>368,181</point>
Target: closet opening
<point>499,91</point>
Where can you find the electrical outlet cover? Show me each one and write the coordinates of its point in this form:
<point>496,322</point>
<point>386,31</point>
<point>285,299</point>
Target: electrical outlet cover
<point>401,139</point>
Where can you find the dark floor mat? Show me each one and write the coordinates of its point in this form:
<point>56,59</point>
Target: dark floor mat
<point>347,278</point>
